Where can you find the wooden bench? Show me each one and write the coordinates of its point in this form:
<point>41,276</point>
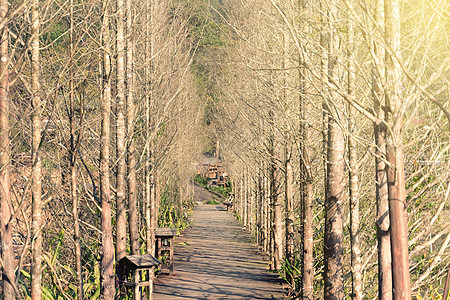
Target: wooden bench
<point>165,244</point>
<point>228,205</point>
<point>130,269</point>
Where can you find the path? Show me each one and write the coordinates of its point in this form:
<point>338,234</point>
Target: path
<point>216,259</point>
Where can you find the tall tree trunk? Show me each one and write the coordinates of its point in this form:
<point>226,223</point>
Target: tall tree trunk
<point>382,219</point>
<point>131,160</point>
<point>6,227</point>
<point>259,209</point>
<point>307,219</point>
<point>36,176</point>
<point>252,205</point>
<point>248,195</point>
<point>151,213</point>
<point>290,218</point>
<point>334,288</point>
<point>132,200</point>
<point>306,192</point>
<point>153,206</point>
<point>267,218</point>
<point>245,212</point>
<point>251,198</point>
<point>278,223</point>
<point>333,246</point>
<point>263,209</point>
<point>241,198</point>
<point>107,260</point>
<point>156,191</point>
<point>353,170</point>
<point>150,232</point>
<point>354,214</point>
<point>275,200</point>
<point>306,182</point>
<point>395,169</point>
<point>324,41</point>
<point>271,206</point>
<point>73,167</point>
<point>121,217</point>
<point>149,210</point>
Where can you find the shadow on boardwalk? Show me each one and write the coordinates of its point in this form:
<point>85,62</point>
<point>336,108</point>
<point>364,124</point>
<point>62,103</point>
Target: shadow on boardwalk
<point>216,259</point>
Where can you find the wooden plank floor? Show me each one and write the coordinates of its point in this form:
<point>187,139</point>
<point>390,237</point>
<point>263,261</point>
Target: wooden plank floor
<point>219,260</point>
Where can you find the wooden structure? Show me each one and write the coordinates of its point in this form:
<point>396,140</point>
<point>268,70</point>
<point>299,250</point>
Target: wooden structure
<point>130,269</point>
<point>214,173</point>
<point>165,245</point>
<point>228,205</point>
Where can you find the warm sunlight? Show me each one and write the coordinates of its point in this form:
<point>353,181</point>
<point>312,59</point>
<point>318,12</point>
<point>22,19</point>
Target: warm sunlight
<point>223,149</point>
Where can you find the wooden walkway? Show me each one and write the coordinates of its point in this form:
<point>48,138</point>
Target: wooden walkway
<point>217,259</point>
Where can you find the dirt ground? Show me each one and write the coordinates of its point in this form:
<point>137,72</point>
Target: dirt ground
<point>216,259</point>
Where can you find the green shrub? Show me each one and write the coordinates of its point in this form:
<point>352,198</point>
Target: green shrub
<point>201,181</point>
<point>223,190</point>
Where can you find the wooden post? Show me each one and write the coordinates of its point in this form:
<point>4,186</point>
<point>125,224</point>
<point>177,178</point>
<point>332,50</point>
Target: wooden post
<point>168,234</point>
<point>136,264</point>
<point>171,245</point>
<point>136,278</point>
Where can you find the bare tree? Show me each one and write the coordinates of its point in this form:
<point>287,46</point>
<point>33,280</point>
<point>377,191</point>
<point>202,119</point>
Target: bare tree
<point>289,219</point>
<point>333,244</point>
<point>121,216</point>
<point>306,176</point>
<point>394,145</point>
<point>107,260</point>
<point>131,160</point>
<point>132,193</point>
<point>150,214</point>
<point>382,219</point>
<point>36,177</point>
<point>306,193</point>
<point>74,144</point>
<point>276,219</point>
<point>6,221</point>
<point>356,266</point>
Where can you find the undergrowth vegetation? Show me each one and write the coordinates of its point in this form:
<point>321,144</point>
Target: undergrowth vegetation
<point>223,191</point>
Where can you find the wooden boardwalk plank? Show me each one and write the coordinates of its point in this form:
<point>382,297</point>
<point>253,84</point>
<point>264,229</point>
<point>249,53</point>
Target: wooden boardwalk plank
<point>217,259</point>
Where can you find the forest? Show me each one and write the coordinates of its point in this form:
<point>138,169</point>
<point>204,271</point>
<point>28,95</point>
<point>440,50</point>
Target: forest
<point>332,119</point>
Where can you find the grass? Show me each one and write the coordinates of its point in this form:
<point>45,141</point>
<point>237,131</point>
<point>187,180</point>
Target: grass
<point>222,190</point>
<point>212,202</point>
